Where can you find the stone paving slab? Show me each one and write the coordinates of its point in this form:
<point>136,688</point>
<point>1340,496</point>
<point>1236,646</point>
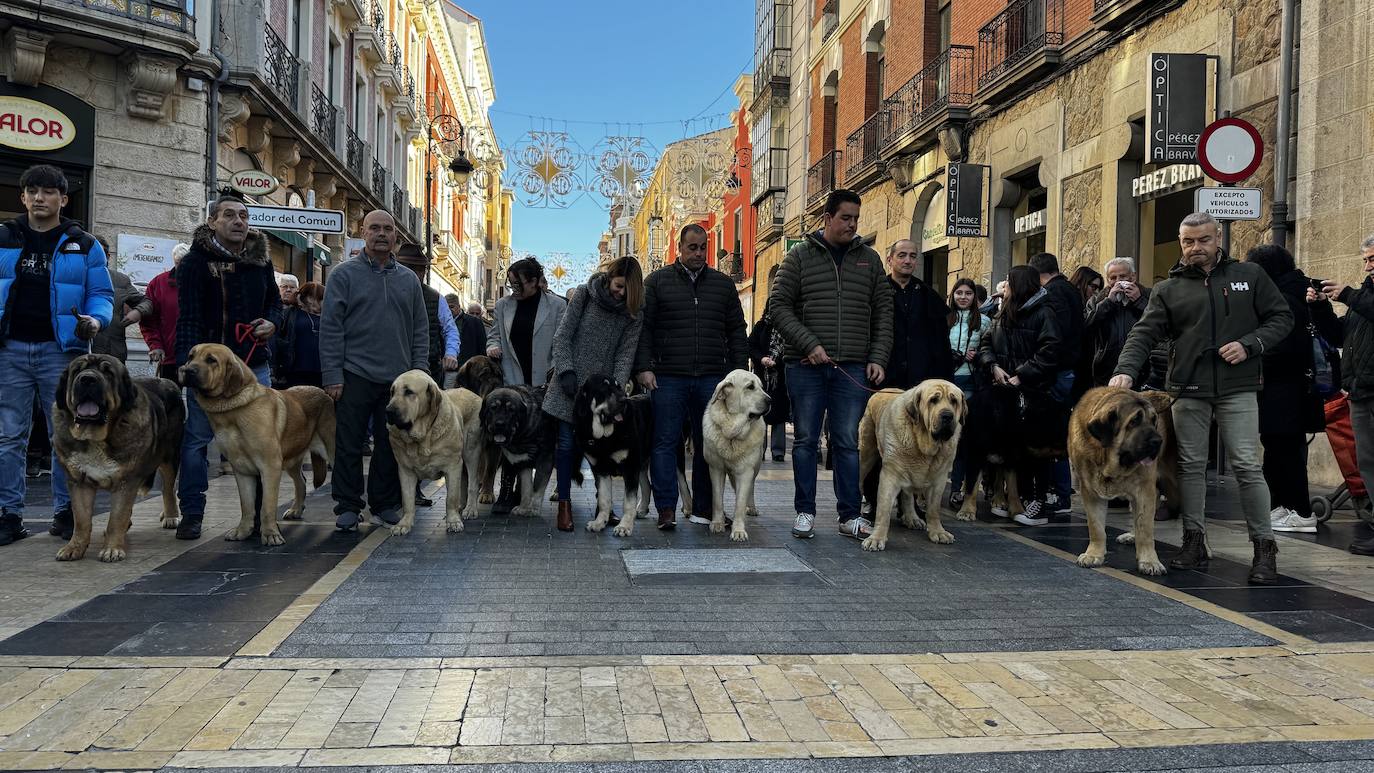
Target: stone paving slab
<point>1185,709</point>
<point>510,586</point>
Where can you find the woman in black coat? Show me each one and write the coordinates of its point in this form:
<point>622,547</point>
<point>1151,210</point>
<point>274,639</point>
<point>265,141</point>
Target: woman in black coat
<point>765,352</point>
<point>1021,351</point>
<point>1289,407</point>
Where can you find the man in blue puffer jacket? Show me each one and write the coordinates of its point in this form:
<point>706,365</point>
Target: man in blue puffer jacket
<point>55,295</point>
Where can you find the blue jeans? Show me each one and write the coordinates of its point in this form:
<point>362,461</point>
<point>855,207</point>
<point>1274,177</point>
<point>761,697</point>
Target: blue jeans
<point>823,389</point>
<point>564,459</point>
<point>26,369</point>
<point>676,400</point>
<point>194,476</point>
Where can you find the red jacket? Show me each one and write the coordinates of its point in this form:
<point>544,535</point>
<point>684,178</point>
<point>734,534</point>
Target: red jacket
<point>160,327</point>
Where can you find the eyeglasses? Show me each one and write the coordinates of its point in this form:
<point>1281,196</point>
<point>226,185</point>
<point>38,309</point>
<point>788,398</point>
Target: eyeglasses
<point>519,284</point>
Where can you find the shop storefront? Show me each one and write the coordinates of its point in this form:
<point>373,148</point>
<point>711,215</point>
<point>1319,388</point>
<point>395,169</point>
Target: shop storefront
<point>44,125</point>
<point>1029,217</point>
<point>1163,196</point>
<point>933,243</point>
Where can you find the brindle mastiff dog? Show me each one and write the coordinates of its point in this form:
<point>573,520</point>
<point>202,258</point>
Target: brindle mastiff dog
<point>114,432</point>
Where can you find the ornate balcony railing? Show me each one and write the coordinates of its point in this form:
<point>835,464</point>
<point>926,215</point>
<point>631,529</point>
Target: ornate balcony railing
<point>946,81</point>
<point>830,19</point>
<point>378,180</point>
<point>861,148</point>
<point>173,14</point>
<point>409,83</point>
<point>398,201</point>
<point>281,69</point>
<point>413,220</point>
<point>356,153</point>
<point>378,16</point>
<point>323,115</point>
<point>1019,31</point>
<point>770,214</point>
<point>822,178</point>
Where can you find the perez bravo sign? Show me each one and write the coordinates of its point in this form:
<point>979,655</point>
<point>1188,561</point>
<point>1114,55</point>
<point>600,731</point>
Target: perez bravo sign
<point>26,124</point>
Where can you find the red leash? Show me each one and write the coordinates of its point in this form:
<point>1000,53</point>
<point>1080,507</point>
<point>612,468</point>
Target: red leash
<point>243,332</point>
<point>864,387</point>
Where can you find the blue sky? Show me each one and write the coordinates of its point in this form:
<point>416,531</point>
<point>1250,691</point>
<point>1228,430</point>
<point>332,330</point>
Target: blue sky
<point>619,62</point>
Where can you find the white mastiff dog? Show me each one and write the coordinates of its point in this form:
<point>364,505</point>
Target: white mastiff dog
<point>733,438</point>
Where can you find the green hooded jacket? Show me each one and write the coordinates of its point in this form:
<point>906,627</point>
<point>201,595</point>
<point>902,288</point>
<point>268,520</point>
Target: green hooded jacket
<point>845,307</point>
<point>1203,312</point>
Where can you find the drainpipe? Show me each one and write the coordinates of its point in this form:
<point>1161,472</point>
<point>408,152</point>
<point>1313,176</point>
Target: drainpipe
<point>1279,210</point>
<point>212,119</point>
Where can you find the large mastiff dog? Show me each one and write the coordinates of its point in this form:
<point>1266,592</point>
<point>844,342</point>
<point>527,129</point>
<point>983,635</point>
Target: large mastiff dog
<point>1121,444</point>
<point>114,432</point>
<point>425,425</point>
<point>615,433</point>
<point>733,433</point>
<point>479,376</point>
<point>513,420</point>
<point>914,436</point>
<point>263,432</point>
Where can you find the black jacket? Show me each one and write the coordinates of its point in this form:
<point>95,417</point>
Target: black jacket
<point>1357,358</point>
<point>1108,322</point>
<point>217,292</point>
<point>920,336</point>
<point>765,341</point>
<point>472,337</point>
<point>1029,348</point>
<point>1287,402</point>
<point>691,329</point>
<point>1067,303</point>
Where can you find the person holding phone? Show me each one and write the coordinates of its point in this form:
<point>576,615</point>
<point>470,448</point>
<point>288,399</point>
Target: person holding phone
<point>1110,315</point>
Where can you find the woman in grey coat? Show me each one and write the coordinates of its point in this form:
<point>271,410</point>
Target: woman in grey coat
<point>521,338</point>
<point>598,335</point>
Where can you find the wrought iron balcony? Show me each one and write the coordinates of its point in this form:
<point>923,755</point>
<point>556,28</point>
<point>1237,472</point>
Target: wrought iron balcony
<point>281,69</point>
<point>770,214</point>
<point>773,75</point>
<point>413,220</point>
<point>822,178</point>
<point>356,153</point>
<point>1022,30</point>
<point>398,202</point>
<point>861,150</point>
<point>323,115</point>
<point>173,14</point>
<point>830,19</point>
<point>769,172</point>
<point>1115,14</point>
<point>946,82</point>
<point>378,180</point>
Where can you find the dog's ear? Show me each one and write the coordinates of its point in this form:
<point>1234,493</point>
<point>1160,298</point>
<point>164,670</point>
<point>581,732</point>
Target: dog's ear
<point>916,412</point>
<point>128,392</point>
<point>963,406</point>
<point>62,386</point>
<point>582,404</point>
<point>723,390</point>
<point>235,376</point>
<point>435,396</point>
<point>1103,429</point>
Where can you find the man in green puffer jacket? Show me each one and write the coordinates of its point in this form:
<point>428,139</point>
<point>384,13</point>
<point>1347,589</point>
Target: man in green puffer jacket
<point>832,305</point>
<point>1221,315</point>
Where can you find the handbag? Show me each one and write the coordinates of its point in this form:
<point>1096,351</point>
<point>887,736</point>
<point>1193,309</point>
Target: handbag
<point>1324,376</point>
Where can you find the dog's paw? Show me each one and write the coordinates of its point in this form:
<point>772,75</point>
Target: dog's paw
<point>71,552</point>
<point>623,531</point>
<point>873,544</point>
<point>1090,560</point>
<point>486,498</point>
<point>596,524</point>
<point>717,527</point>
<point>739,535</point>
<point>453,525</point>
<point>525,512</point>
<point>401,529</point>
<point>271,539</point>
<point>1126,539</point>
<point>469,512</point>
<point>112,554</point>
<point>1150,567</point>
<point>170,522</point>
<point>940,536</point>
<point>240,533</point>
<point>914,522</point>
<point>966,515</point>
<point>752,512</point>
<point>292,514</point>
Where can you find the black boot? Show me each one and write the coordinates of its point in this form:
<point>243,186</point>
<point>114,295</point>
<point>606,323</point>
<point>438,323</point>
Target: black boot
<point>11,528</point>
<point>63,523</point>
<point>1264,569</point>
<point>1194,553</point>
<point>189,528</point>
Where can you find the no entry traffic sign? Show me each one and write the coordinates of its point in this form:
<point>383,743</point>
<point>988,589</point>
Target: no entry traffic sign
<point>1229,150</point>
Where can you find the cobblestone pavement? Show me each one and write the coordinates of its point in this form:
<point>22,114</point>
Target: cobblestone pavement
<point>516,646</point>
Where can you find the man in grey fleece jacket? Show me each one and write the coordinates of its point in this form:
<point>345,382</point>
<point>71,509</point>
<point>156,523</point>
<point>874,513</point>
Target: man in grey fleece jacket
<point>373,328</point>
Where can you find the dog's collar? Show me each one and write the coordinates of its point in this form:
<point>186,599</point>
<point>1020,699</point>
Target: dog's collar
<point>224,404</point>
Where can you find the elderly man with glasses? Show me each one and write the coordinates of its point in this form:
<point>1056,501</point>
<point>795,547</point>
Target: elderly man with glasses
<point>1357,373</point>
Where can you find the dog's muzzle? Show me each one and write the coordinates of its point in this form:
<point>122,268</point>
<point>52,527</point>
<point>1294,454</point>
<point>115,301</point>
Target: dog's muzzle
<point>190,377</point>
<point>89,399</point>
<point>944,429</point>
<point>393,417</point>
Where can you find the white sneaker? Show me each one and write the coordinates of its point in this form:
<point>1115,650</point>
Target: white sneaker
<point>803,527</point>
<point>699,519</point>
<point>1001,511</point>
<point>858,528</point>
<point>1283,519</point>
<point>1032,516</point>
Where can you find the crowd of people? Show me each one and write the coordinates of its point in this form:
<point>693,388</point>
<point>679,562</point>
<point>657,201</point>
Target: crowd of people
<point>1236,342</point>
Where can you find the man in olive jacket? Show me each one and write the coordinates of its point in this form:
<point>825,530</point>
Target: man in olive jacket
<point>833,307</point>
<point>693,335</point>
<point>1221,315</point>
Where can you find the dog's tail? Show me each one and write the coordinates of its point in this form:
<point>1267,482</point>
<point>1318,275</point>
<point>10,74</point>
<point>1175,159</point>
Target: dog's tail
<point>319,468</point>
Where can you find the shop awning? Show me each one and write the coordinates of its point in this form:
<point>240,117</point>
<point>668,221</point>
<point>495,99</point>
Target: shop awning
<point>318,252</point>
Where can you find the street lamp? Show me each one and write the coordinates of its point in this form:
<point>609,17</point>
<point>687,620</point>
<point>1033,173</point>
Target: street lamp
<point>449,129</point>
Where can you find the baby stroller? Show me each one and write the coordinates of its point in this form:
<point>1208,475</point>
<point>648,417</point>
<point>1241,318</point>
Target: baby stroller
<point>1341,435</point>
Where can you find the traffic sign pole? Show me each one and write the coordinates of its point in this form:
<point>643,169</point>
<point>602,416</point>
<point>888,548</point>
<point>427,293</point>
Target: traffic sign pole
<point>1229,151</point>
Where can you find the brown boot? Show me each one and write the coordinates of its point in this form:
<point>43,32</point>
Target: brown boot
<point>565,521</point>
<point>667,519</point>
<point>1264,569</point>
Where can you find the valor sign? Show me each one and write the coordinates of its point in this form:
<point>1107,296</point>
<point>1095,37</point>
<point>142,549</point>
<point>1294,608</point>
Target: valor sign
<point>27,124</point>
<point>1177,111</point>
<point>966,200</point>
